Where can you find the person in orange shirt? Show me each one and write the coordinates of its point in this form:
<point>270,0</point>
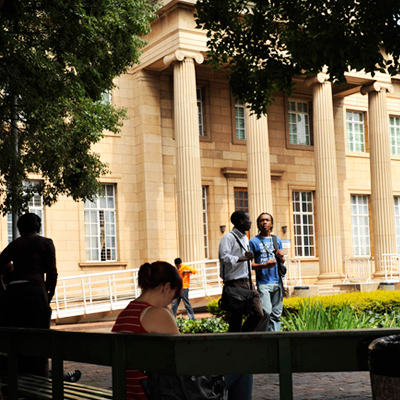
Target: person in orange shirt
<point>184,271</point>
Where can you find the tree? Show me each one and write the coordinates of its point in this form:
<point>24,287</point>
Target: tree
<point>266,43</point>
<point>57,59</point>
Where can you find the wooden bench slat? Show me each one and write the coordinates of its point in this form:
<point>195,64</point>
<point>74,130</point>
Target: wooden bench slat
<point>67,385</point>
<point>38,387</point>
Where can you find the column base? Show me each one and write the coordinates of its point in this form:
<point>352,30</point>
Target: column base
<point>379,274</point>
<point>329,278</point>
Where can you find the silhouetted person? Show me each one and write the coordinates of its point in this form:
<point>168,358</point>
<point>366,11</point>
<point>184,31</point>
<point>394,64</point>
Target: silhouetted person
<point>30,285</point>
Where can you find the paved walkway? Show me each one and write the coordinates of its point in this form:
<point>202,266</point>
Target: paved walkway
<point>310,386</point>
<point>321,386</point>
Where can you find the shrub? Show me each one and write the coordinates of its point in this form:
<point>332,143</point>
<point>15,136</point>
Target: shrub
<point>314,315</point>
<point>204,325</point>
<point>214,309</point>
<point>378,302</point>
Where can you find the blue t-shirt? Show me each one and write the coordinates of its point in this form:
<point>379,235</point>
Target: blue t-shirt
<point>263,253</point>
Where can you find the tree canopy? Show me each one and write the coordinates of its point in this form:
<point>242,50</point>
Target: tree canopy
<point>266,43</point>
<point>57,59</point>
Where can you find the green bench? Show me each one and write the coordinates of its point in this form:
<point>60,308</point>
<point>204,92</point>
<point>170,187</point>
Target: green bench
<point>37,387</point>
<point>284,353</point>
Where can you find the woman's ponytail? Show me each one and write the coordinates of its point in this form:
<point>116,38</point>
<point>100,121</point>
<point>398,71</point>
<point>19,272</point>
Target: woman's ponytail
<point>159,273</point>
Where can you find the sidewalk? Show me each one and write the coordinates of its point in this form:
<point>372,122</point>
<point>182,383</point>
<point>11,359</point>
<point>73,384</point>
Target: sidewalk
<point>307,386</point>
<point>310,386</point>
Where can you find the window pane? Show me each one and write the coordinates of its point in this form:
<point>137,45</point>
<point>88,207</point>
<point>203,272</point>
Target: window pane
<point>299,129</point>
<point>355,131</point>
<point>100,226</point>
<point>360,225</point>
<point>303,222</point>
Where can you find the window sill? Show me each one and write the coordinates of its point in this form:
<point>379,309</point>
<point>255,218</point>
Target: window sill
<point>103,264</point>
<point>205,138</point>
<point>312,259</point>
<point>354,154</point>
<point>303,147</point>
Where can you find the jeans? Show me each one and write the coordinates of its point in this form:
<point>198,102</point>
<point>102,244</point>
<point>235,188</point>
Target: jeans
<point>271,297</point>
<point>240,387</point>
<point>185,298</point>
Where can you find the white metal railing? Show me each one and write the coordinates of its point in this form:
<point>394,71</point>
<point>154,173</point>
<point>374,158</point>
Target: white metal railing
<point>103,292</point>
<point>357,269</point>
<point>391,265</point>
<point>110,291</point>
<point>293,274</point>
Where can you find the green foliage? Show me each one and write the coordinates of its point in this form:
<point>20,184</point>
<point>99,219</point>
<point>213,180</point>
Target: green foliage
<point>214,309</point>
<point>266,44</point>
<point>315,316</point>
<point>57,59</point>
<point>377,302</point>
<point>204,325</point>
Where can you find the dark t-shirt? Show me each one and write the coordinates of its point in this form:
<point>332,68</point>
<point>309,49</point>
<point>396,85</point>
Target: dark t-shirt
<point>33,256</point>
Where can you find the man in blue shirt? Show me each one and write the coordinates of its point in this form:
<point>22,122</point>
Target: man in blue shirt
<point>266,267</point>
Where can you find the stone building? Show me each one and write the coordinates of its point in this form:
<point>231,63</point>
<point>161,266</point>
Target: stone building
<point>325,162</point>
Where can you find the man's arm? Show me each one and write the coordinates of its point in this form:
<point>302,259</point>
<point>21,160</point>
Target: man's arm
<point>279,254</point>
<point>256,266</point>
<point>50,269</point>
<point>268,264</point>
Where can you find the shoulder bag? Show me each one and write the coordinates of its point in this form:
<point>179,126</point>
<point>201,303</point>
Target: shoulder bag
<point>235,299</point>
<point>165,387</point>
<point>281,267</point>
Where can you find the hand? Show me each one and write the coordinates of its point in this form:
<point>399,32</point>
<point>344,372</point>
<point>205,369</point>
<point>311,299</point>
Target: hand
<point>270,263</point>
<point>249,255</point>
<point>280,254</point>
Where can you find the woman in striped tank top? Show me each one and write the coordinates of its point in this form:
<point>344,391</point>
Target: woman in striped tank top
<point>149,313</point>
<point>160,284</point>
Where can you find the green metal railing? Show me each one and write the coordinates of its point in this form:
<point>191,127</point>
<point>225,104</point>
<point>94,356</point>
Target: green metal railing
<point>284,353</point>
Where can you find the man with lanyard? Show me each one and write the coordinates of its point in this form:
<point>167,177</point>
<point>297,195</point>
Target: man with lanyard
<point>234,257</point>
<point>266,267</point>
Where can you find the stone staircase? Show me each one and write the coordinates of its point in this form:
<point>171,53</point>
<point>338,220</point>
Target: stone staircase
<point>328,290</point>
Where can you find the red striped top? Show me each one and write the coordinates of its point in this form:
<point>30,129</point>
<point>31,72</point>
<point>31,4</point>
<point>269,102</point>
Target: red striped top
<point>128,321</point>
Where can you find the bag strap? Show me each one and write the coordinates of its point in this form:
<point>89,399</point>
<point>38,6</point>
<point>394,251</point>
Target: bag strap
<point>248,261</point>
<point>275,242</point>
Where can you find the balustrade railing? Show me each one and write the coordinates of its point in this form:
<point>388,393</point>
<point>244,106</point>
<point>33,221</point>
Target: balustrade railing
<point>358,269</point>
<point>104,292</point>
<point>391,265</point>
<point>293,274</point>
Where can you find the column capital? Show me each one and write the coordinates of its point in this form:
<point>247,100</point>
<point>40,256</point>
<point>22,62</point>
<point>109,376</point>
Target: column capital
<point>319,78</point>
<point>180,55</point>
<point>377,87</point>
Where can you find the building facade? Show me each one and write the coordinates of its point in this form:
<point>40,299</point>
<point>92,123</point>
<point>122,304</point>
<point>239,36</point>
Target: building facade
<point>324,161</point>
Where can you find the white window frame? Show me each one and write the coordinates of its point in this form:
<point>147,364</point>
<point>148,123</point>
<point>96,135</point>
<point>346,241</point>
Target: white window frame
<point>360,226</point>
<point>35,206</point>
<point>355,128</point>
<point>299,123</point>
<point>205,222</point>
<point>106,97</point>
<point>240,120</point>
<point>394,126</point>
<point>200,113</point>
<point>397,222</point>
<point>303,223</point>
<point>100,226</point>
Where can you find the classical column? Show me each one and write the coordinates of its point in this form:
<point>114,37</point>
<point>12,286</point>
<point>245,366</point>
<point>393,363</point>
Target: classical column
<point>381,173</point>
<point>327,192</point>
<point>188,171</point>
<point>258,168</point>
